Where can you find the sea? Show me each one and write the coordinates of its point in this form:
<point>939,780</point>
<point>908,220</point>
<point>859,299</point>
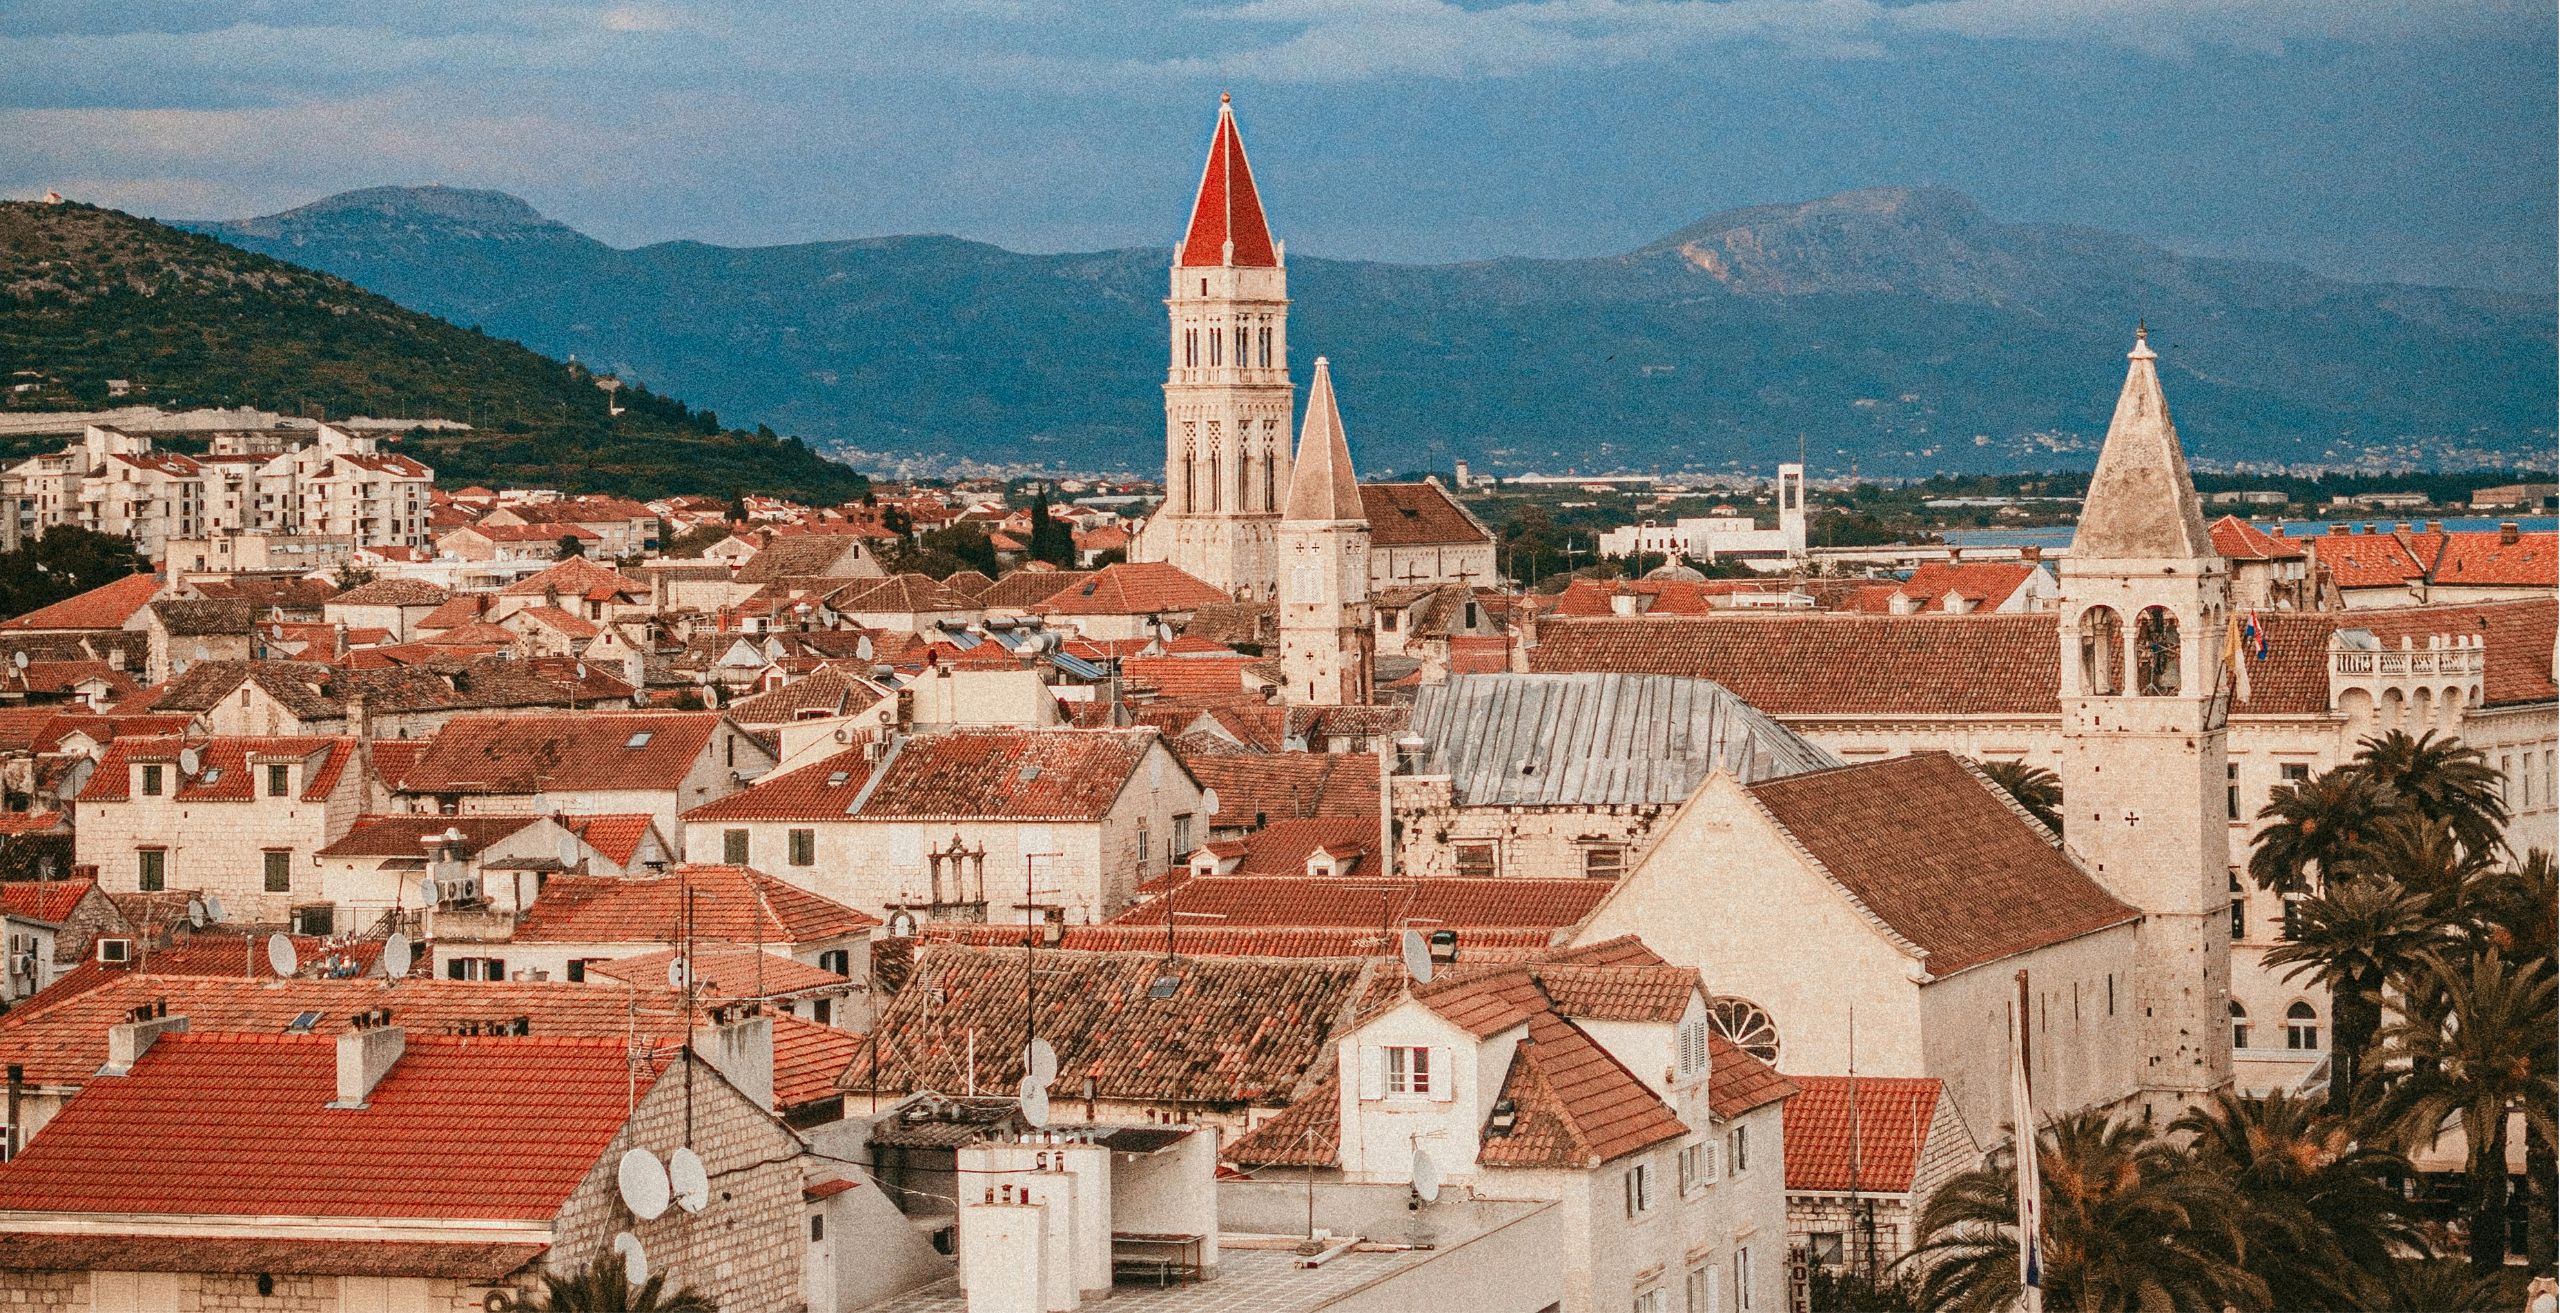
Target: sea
<point>2059,535</point>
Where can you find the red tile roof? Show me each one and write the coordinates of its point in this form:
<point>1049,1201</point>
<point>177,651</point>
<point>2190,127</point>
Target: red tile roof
<point>534,752</point>
<point>1190,676</point>
<point>1283,846</point>
<point>2293,678</point>
<point>730,905</point>
<point>108,606</point>
<point>89,1250</point>
<point>227,767</point>
<point>1416,515</point>
<point>1278,785</point>
<point>1986,584</point>
<point>2365,560</point>
<point>1578,1106</point>
<point>240,1125</point>
<point>1052,774</point>
<point>1941,857</point>
<point>1209,939</point>
<point>1131,588</point>
<point>730,970</point>
<point>1738,1082</point>
<point>616,836</point>
<point>808,1059</point>
<point>49,901</point>
<point>822,790</point>
<point>2238,540</point>
<point>1892,1130</point>
<point>404,834</point>
<point>1831,664</point>
<point>1228,211</point>
<point>2481,560</point>
<point>576,577</point>
<point>1238,901</point>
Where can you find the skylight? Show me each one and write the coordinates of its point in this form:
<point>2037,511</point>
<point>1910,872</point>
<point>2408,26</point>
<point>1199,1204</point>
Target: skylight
<point>302,1023</point>
<point>639,740</point>
<point>836,780</point>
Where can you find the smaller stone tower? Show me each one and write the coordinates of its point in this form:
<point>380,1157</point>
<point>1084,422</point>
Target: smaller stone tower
<point>1327,644</point>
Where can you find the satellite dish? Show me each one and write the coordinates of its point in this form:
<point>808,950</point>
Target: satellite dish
<point>1426,1176</point>
<point>1035,1103</point>
<point>1209,802</point>
<point>691,1182</point>
<point>396,958</point>
<point>1044,1063</point>
<point>428,892</point>
<point>1417,957</point>
<point>635,1260</point>
<point>644,1184</point>
<point>19,658</point>
<point>195,913</point>
<point>213,907</point>
<point>902,924</point>
<point>679,973</point>
<point>568,849</point>
<point>582,672</point>
<point>189,759</point>
<point>280,954</point>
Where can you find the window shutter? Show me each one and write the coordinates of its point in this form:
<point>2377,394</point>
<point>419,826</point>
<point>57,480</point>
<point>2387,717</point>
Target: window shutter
<point>1443,1086</point>
<point>1715,1296</point>
<point>1714,1160</point>
<point>1373,1073</point>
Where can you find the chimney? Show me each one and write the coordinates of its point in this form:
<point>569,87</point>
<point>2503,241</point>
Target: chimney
<point>2507,533</point>
<point>359,716</point>
<point>128,1041</point>
<point>740,1048</point>
<point>2031,554</point>
<point>365,1056</point>
<point>2435,526</point>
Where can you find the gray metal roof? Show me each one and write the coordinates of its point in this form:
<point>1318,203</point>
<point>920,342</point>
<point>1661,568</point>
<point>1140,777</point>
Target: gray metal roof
<point>1577,739</point>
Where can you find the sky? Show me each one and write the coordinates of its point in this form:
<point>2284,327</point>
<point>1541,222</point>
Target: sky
<point>2407,140</point>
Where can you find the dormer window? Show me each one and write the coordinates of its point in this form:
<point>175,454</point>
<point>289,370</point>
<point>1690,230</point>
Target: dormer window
<point>279,780</point>
<point>151,781</point>
<point>1408,1071</point>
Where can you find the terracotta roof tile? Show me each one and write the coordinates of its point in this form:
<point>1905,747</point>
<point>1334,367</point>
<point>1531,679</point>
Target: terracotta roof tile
<point>826,691</point>
<point>1738,1082</point>
<point>1892,1130</point>
<point>2481,559</point>
<point>404,834</point>
<point>1057,774</point>
<point>529,753</point>
<point>90,1250</point>
<point>616,836</point>
<point>1240,901</point>
<point>1417,515</point>
<point>2238,540</point>
<point>732,971</point>
<point>1279,785</point>
<point>1942,858</point>
<point>1025,590</point>
<point>2364,560</point>
<point>1132,588</point>
<point>226,766</point>
<point>108,606</point>
<point>731,905</point>
<point>1832,664</point>
<point>808,1060</point>
<point>1190,676</point>
<point>49,901</point>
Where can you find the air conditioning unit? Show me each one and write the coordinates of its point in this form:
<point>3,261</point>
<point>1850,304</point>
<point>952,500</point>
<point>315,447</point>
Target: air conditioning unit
<point>23,964</point>
<point>115,950</point>
<point>463,889</point>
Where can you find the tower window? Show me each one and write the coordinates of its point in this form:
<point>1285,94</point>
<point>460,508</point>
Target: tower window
<point>1214,340</point>
<point>1241,358</point>
<point>2155,645</point>
<point>1266,346</point>
<point>2101,652</point>
<point>1191,348</point>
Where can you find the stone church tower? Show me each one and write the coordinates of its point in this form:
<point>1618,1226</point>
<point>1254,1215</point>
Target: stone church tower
<point>2145,692</point>
<point>1327,645</point>
<point>1227,396</point>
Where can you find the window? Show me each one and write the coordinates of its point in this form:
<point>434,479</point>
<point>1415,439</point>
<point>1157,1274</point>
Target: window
<point>278,776</point>
<point>1639,1184</point>
<point>1652,1301</point>
<point>2231,789</point>
<point>2294,772</point>
<point>1737,1149</point>
<point>1182,833</point>
<point>838,960</point>
<point>476,968</point>
<point>1475,859</point>
<point>2155,647</point>
<point>2301,1027</point>
<point>1747,1026</point>
<point>1699,1166</point>
<point>1604,862</point>
<point>1408,1070</point>
<point>2239,1025</point>
<point>1703,1295</point>
<point>152,873</point>
<point>1742,1278</point>
<point>1266,347</point>
<point>640,739</point>
<point>2239,918</point>
<point>2101,652</point>
<point>1217,342</point>
<point>804,847</point>
<point>733,847</point>
<point>279,870</point>
<point>151,781</point>
<point>1823,1249</point>
<point>578,967</point>
<point>1693,1046</point>
<point>823,1011</point>
<point>2292,917</point>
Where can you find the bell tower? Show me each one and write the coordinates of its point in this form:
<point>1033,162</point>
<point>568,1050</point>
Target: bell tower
<point>1227,395</point>
<point>2145,604</point>
<point>1327,645</point>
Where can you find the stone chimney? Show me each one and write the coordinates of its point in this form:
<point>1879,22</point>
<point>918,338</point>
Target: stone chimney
<point>127,1041</point>
<point>2031,554</point>
<point>366,1054</point>
<point>2508,533</point>
<point>740,1048</point>
<point>359,716</point>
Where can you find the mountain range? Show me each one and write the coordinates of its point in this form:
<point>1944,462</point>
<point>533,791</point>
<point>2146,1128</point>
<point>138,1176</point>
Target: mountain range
<point>1899,330</point>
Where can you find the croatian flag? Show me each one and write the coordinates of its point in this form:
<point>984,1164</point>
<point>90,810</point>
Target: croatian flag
<point>2256,633</point>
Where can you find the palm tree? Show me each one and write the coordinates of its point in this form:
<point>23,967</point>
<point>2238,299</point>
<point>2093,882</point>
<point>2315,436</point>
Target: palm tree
<point>2128,1224</point>
<point>2450,1286</point>
<point>2320,824</point>
<point>2324,1219</point>
<point>2493,1053</point>
<point>2035,788</point>
<point>2445,780</point>
<point>2353,938</point>
<point>600,1287</point>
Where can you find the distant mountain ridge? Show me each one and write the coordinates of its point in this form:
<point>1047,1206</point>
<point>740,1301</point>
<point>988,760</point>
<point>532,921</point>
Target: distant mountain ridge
<point>1902,329</point>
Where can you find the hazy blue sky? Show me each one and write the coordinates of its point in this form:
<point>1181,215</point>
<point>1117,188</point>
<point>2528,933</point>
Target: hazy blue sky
<point>2370,138</point>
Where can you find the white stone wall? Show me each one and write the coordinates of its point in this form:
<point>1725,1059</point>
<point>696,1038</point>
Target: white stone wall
<point>220,847</point>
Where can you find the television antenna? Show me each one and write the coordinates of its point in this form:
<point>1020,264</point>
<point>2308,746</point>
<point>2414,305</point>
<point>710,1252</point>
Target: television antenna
<point>643,1182</point>
<point>280,954</point>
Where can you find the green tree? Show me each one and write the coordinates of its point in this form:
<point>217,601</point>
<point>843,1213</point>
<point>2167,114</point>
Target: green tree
<point>66,562</point>
<point>2324,1220</point>
<point>2444,780</point>
<point>2318,825</point>
<point>600,1287</point>
<point>2492,1052</point>
<point>1051,539</point>
<point>2034,788</point>
<point>2129,1223</point>
<point>2352,938</point>
<point>569,546</point>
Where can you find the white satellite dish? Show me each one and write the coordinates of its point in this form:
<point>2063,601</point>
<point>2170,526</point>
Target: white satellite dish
<point>644,1184</point>
<point>428,892</point>
<point>689,1179</point>
<point>1209,802</point>
<point>635,1260</point>
<point>396,958</point>
<point>1035,1103</point>
<point>679,973</point>
<point>902,924</point>
<point>1417,957</point>
<point>1044,1063</point>
<point>1426,1176</point>
<point>280,954</point>
<point>213,907</point>
<point>195,913</point>
<point>189,759</point>
<point>568,849</point>
<point>19,658</point>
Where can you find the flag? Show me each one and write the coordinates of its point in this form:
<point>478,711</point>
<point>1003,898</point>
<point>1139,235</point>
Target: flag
<point>2022,1114</point>
<point>2237,655</point>
<point>2257,633</point>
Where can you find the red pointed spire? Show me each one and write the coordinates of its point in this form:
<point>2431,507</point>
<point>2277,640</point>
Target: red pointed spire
<point>1229,210</point>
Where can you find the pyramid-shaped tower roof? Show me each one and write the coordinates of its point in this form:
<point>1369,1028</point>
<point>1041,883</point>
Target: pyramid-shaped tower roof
<point>2142,503</point>
<point>1227,227</point>
<point>1321,485</point>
